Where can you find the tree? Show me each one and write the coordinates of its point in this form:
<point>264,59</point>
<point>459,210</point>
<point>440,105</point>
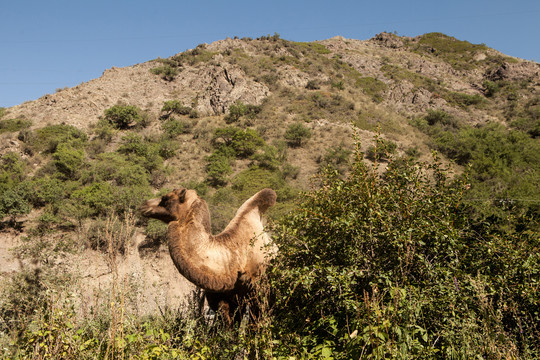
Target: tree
<point>176,107</point>
<point>123,116</point>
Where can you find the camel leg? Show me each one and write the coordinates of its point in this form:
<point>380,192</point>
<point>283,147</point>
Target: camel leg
<point>224,309</point>
<point>220,305</point>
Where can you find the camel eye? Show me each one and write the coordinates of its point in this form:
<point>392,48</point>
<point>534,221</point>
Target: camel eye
<point>164,200</point>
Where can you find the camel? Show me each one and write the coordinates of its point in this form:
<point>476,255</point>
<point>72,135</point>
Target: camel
<point>226,265</point>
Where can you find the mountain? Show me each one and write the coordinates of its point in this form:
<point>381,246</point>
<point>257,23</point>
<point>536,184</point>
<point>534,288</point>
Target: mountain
<point>236,115</point>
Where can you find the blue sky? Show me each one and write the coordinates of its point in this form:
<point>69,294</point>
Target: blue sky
<point>46,45</point>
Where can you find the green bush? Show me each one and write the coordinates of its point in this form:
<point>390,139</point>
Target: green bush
<point>95,199</point>
<point>14,201</point>
<point>194,56</point>
<point>459,54</point>
<point>382,150</point>
<point>12,170</point>
<point>156,231</point>
<point>268,158</point>
<point>117,168</point>
<point>434,117</point>
<point>218,167</point>
<point>336,158</point>
<point>49,137</point>
<point>173,127</point>
<point>167,148</point>
<point>313,85</point>
<point>235,112</point>
<point>123,116</point>
<point>129,198</point>
<point>175,107</point>
<point>47,191</point>
<point>68,160</point>
<point>246,142</point>
<point>239,109</point>
<point>141,151</point>
<point>297,134</point>
<point>243,142</point>
<point>372,87</point>
<point>12,125</point>
<point>464,100</point>
<point>167,72</point>
<point>491,88</point>
<point>390,266</point>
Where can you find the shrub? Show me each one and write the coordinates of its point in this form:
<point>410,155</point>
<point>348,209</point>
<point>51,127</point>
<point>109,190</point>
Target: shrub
<point>173,128</point>
<point>175,107</point>
<point>167,148</point>
<point>246,142</point>
<point>235,112</point>
<point>117,168</point>
<point>218,167</point>
<point>239,109</point>
<point>338,84</point>
<point>249,181</point>
<point>390,265</point>
<point>243,142</point>
<point>14,201</point>
<point>129,198</point>
<point>434,117</point>
<point>49,137</point>
<point>156,231</point>
<point>297,134</point>
<point>167,72</point>
<point>95,199</point>
<point>382,150</point>
<point>68,160</point>
<point>491,88</point>
<point>268,158</point>
<point>336,158</point>
<point>12,170</point>
<point>12,125</point>
<point>464,100</point>
<point>459,54</point>
<point>123,116</point>
<point>372,87</point>
<point>141,151</point>
<point>289,171</point>
<point>47,191</point>
<point>313,85</point>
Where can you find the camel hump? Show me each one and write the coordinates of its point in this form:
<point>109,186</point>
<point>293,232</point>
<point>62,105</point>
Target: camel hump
<point>264,199</point>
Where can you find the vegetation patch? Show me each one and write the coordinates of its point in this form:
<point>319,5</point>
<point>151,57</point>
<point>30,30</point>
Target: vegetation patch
<point>297,134</point>
<point>460,54</point>
<point>49,137</point>
<point>13,125</point>
<point>124,116</point>
<point>389,265</point>
<point>372,87</point>
<point>501,162</point>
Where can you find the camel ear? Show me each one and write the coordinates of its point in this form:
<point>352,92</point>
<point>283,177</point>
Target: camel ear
<point>182,196</point>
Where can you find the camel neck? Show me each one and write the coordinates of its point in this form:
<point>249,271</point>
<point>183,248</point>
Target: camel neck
<point>197,257</point>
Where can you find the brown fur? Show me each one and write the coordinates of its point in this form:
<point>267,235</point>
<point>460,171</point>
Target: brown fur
<point>224,265</point>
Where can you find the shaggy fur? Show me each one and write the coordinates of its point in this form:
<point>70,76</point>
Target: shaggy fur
<point>225,265</point>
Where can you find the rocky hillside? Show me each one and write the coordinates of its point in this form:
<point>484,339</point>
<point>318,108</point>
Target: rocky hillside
<point>227,118</point>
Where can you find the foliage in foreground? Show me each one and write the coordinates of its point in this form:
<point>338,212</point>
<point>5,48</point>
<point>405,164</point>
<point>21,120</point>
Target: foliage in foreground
<point>390,265</point>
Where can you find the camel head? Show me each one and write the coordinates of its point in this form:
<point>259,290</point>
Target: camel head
<point>170,207</point>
